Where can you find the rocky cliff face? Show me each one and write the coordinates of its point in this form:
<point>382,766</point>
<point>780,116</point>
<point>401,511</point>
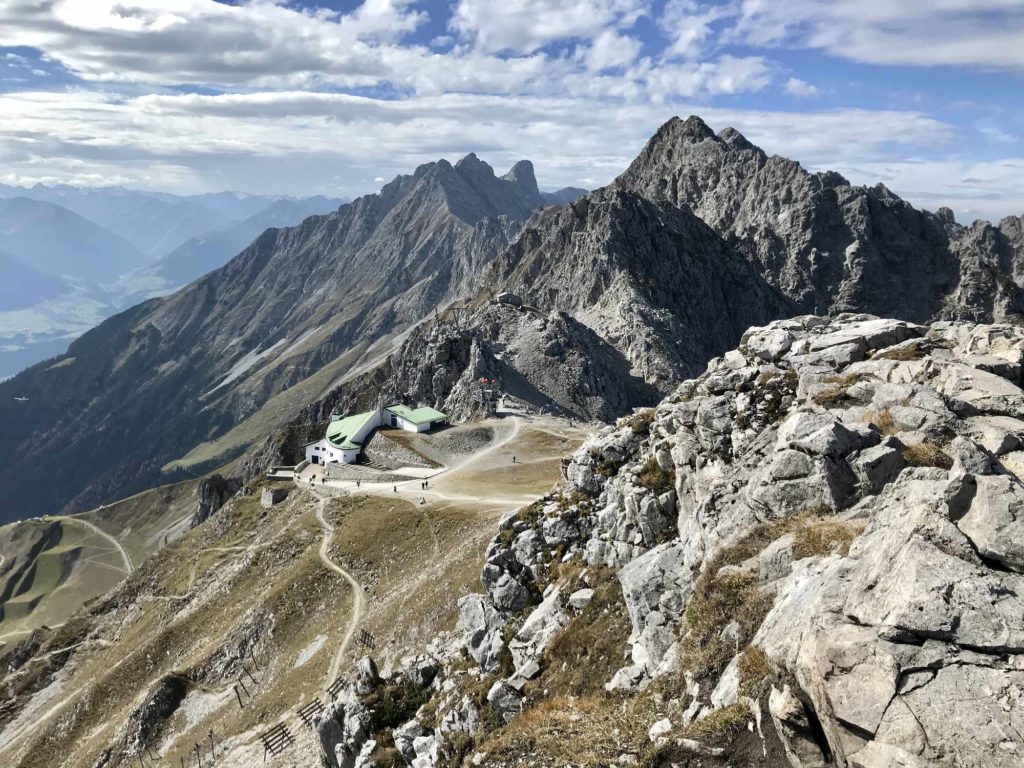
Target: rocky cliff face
<point>148,385</point>
<point>625,291</point>
<point>828,245</point>
<point>809,556</point>
<point>634,287</point>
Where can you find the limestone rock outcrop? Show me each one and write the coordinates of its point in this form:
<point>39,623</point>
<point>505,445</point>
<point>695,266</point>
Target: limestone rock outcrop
<point>852,486</point>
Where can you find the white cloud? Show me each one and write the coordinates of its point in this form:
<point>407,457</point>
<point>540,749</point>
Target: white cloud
<point>259,140</point>
<point>610,49</point>
<point>800,88</point>
<point>689,25</point>
<point>202,41</point>
<point>523,26</point>
<point>984,33</point>
<point>263,45</point>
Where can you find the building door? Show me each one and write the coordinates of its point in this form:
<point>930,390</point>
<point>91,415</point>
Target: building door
<point>316,459</point>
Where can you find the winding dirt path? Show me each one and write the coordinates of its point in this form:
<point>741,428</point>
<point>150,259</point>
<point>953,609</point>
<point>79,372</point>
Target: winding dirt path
<point>128,567</point>
<point>358,600</point>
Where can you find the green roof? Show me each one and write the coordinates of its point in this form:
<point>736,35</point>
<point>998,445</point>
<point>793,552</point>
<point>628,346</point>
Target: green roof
<point>417,415</point>
<point>339,433</point>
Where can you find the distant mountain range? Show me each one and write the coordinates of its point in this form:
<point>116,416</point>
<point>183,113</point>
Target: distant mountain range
<point>198,255</point>
<point>155,223</point>
<point>297,308</point>
<point>74,256</point>
<point>57,241</point>
<point>22,286</point>
<point>627,290</point>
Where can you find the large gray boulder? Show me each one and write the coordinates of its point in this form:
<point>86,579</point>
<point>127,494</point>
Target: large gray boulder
<point>405,735</point>
<point>794,729</point>
<point>506,579</point>
<point>656,588</point>
<point>879,640</point>
<point>480,627</point>
<point>995,520</point>
<point>538,630</point>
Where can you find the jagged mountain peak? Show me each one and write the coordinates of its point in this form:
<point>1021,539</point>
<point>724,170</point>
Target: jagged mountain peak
<point>472,162</point>
<point>522,169</point>
<point>469,189</point>
<point>946,215</point>
<point>521,174</point>
<point>736,140</point>
<point>692,129</point>
<point>472,165</point>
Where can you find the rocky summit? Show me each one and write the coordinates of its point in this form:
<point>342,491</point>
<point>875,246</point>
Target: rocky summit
<point>617,295</point>
<point>810,555</point>
<point>727,472</point>
<point>298,309</point>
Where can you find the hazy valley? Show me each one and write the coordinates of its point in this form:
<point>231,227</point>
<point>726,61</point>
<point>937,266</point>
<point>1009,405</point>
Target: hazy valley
<point>71,257</point>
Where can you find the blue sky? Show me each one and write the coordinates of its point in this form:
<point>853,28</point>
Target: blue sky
<point>335,96</point>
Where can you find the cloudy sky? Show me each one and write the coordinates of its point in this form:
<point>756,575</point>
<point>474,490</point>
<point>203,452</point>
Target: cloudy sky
<point>333,96</point>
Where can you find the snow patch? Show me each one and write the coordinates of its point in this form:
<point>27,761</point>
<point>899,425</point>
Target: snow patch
<point>248,360</point>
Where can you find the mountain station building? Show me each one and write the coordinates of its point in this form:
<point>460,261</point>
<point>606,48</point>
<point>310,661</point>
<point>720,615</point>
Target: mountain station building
<point>346,435</point>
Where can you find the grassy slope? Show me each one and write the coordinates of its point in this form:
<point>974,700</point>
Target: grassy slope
<point>77,565</point>
<point>253,576</point>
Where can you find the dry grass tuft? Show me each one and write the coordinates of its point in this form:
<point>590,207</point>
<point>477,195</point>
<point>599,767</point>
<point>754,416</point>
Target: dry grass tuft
<point>756,672</point>
<point>927,454</point>
<point>837,391</point>
<point>884,420</point>
<point>640,422</point>
<point>823,537</point>
<point>580,731</point>
<point>592,647</point>
<point>717,600</point>
<point>717,722</point>
<point>654,478</point>
<point>917,349</point>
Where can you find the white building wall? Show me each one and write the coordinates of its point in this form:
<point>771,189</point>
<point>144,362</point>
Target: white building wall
<point>325,453</point>
<point>315,451</point>
<point>409,426</point>
<point>371,424</point>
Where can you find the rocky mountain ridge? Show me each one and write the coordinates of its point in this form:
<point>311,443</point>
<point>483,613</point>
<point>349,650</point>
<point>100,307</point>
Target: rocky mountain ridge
<point>808,556</point>
<point>633,287</point>
<point>828,245</point>
<point>623,292</point>
<point>149,384</point>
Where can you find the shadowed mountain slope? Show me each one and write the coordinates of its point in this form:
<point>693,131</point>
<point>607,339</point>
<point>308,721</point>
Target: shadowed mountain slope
<point>626,290</point>
<point>147,385</point>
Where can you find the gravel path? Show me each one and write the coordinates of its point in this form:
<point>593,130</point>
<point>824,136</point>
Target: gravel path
<point>358,600</point>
